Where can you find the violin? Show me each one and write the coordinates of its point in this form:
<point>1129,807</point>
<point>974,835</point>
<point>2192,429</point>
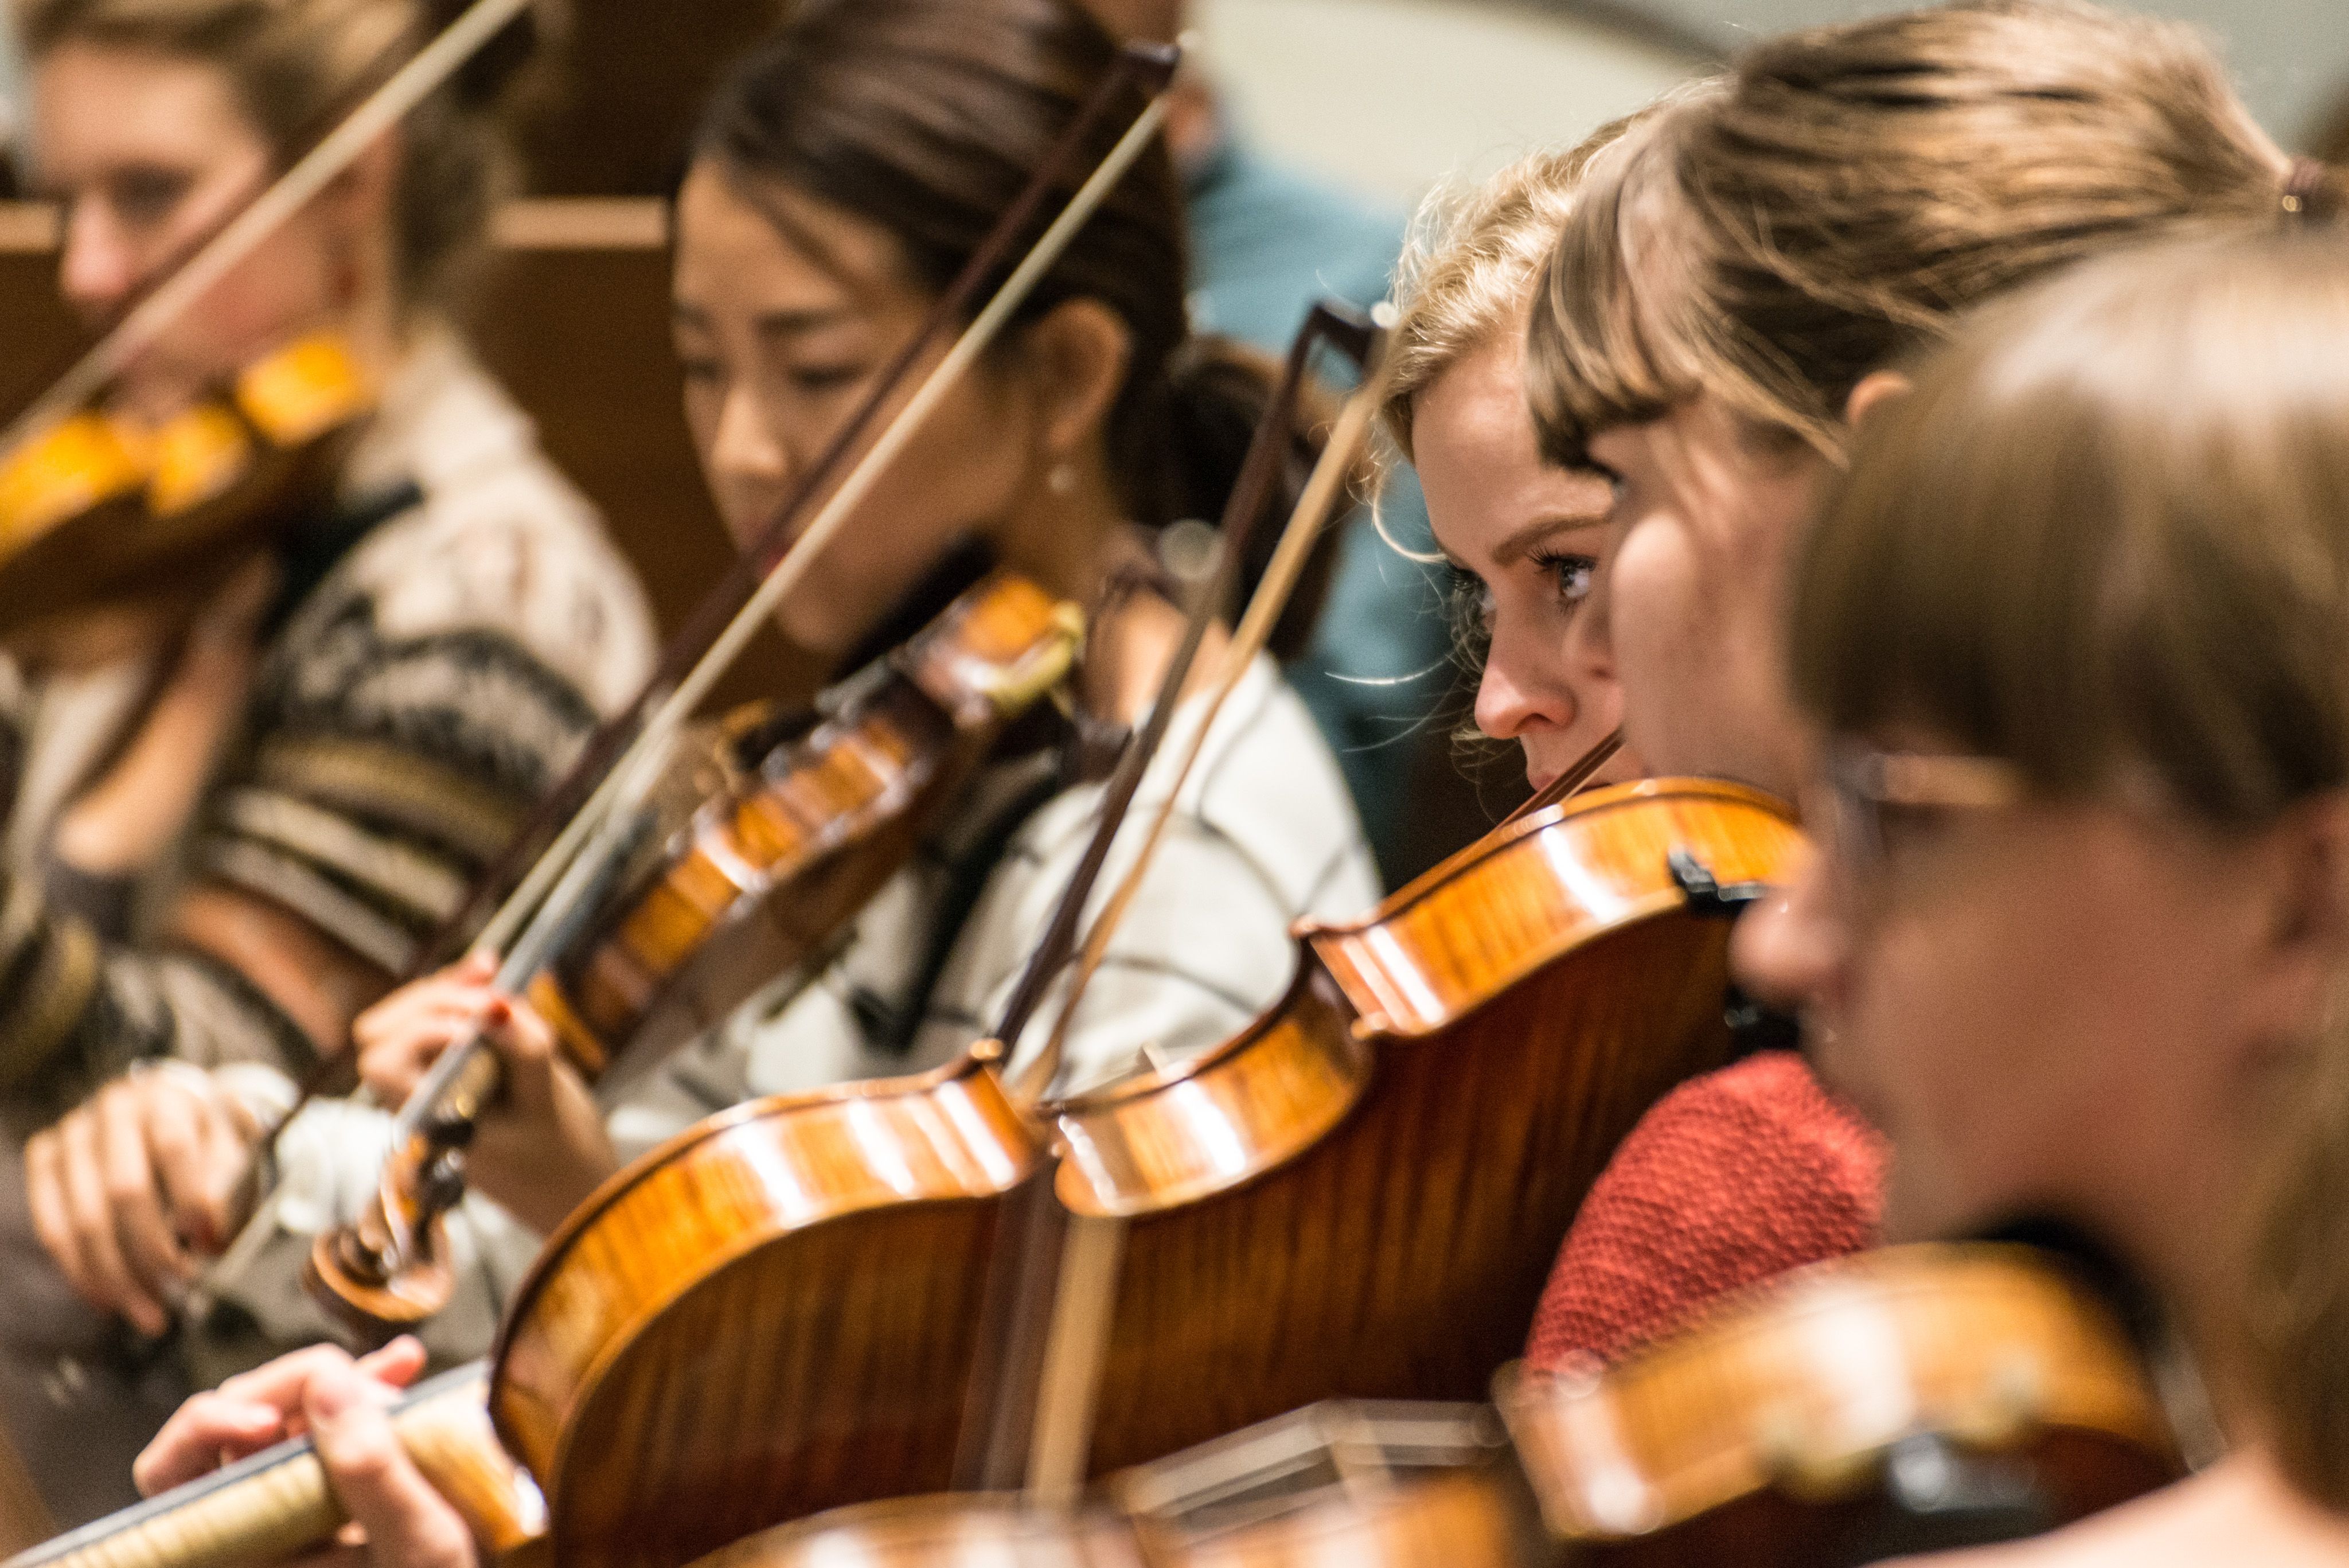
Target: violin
<point>1361,1194</point>
<point>1912,1399</point>
<point>98,510</point>
<point>818,1299</point>
<point>1367,1483</point>
<point>754,885</point>
<point>712,927</point>
<point>1908,1399</point>
<point>274,1504</point>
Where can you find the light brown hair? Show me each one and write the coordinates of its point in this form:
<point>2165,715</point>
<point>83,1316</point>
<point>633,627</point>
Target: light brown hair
<point>2106,537</point>
<point>1843,192</point>
<point>294,65</point>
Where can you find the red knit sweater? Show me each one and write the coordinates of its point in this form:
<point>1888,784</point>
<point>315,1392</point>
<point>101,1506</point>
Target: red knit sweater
<point>1731,1178</point>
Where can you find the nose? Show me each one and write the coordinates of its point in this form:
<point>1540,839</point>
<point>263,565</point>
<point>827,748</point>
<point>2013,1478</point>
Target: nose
<point>749,467</point>
<point>1517,695</point>
<point>97,271</point>
<point>1790,949</point>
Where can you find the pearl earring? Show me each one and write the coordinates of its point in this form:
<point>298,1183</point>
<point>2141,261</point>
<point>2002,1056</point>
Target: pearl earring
<point>1063,479</point>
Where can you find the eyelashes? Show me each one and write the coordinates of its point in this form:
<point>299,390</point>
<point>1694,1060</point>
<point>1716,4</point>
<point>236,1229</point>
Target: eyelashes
<point>1574,574</point>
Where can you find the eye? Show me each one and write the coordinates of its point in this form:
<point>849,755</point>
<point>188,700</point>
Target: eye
<point>1471,601</point>
<point>815,380</point>
<point>146,196</point>
<point>700,369</point>
<point>1573,573</point>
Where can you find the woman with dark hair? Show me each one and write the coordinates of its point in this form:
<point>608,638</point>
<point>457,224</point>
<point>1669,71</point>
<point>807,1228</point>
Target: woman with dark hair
<point>843,176</point>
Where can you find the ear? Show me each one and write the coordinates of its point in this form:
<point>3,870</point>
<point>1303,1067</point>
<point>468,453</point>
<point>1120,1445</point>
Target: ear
<point>1875,390</point>
<point>2308,931</point>
<point>1076,356</point>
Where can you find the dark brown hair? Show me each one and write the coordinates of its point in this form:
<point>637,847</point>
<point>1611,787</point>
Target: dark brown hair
<point>1843,192</point>
<point>927,118</point>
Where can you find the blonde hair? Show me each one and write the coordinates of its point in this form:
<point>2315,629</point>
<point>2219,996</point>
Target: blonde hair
<point>1468,268</point>
<point>294,65</point>
<point>1843,192</point>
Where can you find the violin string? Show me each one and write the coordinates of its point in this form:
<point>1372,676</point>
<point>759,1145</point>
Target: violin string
<point>1329,475</point>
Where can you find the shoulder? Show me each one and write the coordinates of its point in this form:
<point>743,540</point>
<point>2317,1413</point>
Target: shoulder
<point>1264,810</point>
<point>1732,1177</point>
<point>1267,236</point>
<point>502,545</point>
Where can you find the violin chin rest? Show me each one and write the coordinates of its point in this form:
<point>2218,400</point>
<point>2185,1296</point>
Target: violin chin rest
<point>379,1310</point>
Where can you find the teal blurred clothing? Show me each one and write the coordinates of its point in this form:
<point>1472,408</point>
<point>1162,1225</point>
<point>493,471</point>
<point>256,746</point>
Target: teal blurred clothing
<point>1266,242</point>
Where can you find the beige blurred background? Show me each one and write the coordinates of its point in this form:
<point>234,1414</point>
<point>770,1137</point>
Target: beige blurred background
<point>1385,96</point>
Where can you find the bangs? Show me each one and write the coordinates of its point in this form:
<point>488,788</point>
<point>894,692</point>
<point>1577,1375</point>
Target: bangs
<point>2106,538</point>
<point>1599,348</point>
<point>1954,594</point>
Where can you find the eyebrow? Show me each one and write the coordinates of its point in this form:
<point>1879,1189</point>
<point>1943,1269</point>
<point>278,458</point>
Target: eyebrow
<point>1521,544</point>
<point>774,322</point>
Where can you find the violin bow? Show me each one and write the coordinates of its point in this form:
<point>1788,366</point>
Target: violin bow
<point>1313,509</point>
<point>1326,322</point>
<point>430,1129</point>
<point>1572,781</point>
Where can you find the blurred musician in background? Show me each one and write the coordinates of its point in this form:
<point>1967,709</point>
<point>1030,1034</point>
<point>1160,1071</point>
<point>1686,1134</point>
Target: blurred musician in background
<point>1267,240</point>
<point>229,833</point>
<point>2076,633</point>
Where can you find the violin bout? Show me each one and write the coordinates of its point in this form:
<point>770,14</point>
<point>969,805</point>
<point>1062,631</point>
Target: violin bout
<point>99,511</point>
<point>1914,1398</point>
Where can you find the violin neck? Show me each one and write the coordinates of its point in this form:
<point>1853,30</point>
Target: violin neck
<point>262,1509</point>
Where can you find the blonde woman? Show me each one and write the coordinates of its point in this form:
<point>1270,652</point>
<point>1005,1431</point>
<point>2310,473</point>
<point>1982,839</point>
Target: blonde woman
<point>2076,633</point>
<point>1528,544</point>
<point>224,877</point>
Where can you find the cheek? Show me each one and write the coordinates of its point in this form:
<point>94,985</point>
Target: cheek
<point>283,288</point>
<point>1996,1043</point>
<point>958,475</point>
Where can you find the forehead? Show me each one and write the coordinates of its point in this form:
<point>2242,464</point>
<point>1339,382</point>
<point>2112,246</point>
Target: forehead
<point>771,251</point>
<point>1473,441</point>
<point>97,106</point>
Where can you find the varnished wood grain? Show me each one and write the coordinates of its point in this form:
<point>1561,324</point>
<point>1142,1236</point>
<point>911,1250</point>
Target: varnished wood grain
<point>1795,1394</point>
<point>1298,1493</point>
<point>1360,1196</point>
<point>765,875</point>
<point>777,1313</point>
